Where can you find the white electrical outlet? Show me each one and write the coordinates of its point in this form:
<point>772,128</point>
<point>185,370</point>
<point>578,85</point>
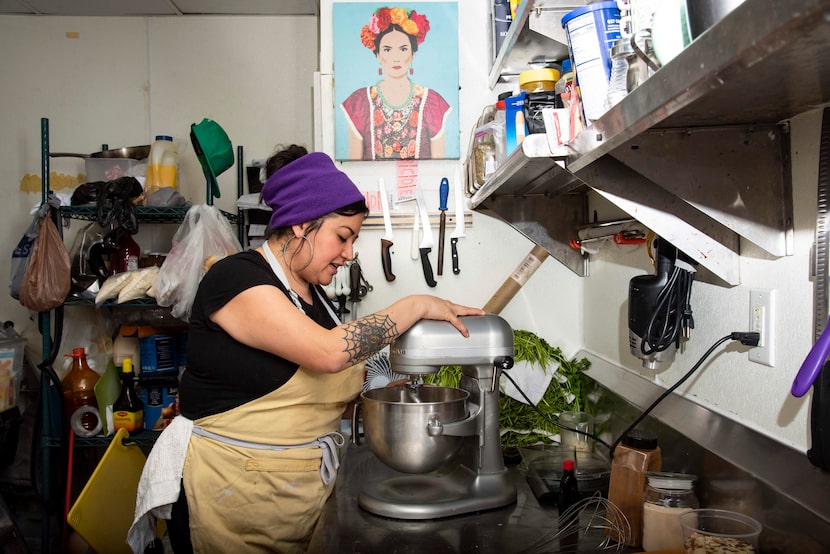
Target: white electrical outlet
<point>761,318</point>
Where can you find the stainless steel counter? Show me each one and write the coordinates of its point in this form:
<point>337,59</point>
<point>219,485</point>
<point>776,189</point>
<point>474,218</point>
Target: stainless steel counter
<point>344,526</point>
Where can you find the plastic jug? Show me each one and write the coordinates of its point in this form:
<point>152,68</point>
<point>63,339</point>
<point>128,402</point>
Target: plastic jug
<point>162,165</point>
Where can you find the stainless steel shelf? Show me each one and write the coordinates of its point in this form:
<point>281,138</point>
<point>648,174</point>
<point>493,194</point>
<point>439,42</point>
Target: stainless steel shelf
<point>699,152</point>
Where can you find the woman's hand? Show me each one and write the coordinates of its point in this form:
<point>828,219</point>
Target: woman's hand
<point>438,309</point>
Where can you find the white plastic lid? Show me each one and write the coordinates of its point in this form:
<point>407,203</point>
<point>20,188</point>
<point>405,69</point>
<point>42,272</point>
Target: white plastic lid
<point>671,481</point>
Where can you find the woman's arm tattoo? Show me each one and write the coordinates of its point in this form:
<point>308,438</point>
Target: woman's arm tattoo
<point>367,335</point>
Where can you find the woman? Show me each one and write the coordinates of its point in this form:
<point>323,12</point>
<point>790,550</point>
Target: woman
<point>395,118</point>
<point>270,370</point>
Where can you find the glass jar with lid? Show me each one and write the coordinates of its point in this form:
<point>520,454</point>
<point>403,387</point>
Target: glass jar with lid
<point>667,496</point>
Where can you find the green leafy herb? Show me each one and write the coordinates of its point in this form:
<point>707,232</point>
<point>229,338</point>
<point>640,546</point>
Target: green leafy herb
<point>521,424</point>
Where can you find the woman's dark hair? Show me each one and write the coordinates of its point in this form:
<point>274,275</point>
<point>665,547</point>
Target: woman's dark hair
<point>284,156</point>
<point>413,40</point>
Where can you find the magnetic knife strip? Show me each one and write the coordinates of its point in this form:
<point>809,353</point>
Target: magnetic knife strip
<point>404,220</point>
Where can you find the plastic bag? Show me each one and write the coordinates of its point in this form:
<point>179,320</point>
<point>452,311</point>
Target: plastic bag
<point>23,251</point>
<point>47,279</point>
<point>21,256</point>
<point>203,237</point>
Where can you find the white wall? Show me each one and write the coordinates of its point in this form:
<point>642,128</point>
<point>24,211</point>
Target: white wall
<point>756,395</point>
<point>121,81</point>
<point>125,79</point>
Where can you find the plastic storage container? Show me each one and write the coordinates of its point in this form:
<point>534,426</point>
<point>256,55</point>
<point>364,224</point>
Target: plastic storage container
<point>162,165</point>
<point>592,31</point>
<point>667,497</point>
<point>637,454</point>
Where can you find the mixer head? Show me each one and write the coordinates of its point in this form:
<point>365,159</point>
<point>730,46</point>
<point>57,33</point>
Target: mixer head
<point>428,345</point>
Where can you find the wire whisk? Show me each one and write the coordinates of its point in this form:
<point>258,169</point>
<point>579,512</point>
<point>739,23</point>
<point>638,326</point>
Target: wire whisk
<point>592,524</point>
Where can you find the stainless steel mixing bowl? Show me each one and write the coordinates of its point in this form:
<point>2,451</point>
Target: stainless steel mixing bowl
<point>404,429</point>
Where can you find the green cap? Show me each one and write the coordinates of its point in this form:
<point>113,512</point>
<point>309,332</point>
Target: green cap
<point>214,150</point>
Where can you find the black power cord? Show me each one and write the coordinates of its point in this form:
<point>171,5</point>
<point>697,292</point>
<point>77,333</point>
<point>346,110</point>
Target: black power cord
<point>748,339</point>
<point>672,312</point>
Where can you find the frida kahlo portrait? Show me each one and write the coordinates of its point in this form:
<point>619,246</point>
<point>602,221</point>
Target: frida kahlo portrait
<point>396,117</point>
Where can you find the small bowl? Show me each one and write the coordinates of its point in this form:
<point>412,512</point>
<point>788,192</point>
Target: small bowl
<point>709,531</point>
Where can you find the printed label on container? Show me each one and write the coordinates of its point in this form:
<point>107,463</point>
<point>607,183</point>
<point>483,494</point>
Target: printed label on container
<point>131,421</point>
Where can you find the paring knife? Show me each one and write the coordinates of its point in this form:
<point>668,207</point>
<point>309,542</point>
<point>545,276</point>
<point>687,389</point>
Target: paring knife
<point>443,192</point>
<point>386,239</point>
<point>427,243</point>
<point>459,221</point>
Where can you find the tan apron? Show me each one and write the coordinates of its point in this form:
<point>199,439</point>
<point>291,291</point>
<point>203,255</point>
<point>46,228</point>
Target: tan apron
<point>251,500</point>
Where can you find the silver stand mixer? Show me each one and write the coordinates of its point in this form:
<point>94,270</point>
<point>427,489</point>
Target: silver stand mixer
<point>409,428</point>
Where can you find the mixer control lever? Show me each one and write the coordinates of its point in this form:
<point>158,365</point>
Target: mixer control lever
<point>504,362</point>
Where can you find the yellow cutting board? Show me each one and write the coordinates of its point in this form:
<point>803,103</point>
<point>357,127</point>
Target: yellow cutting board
<point>104,510</point>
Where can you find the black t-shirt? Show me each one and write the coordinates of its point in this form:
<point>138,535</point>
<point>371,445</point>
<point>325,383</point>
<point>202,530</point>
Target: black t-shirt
<point>222,373</point>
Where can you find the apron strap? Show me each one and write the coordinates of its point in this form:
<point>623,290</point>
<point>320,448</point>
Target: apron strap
<point>280,274</point>
<point>328,443</point>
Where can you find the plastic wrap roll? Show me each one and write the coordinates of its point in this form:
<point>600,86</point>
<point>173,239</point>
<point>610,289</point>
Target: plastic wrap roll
<point>76,421</point>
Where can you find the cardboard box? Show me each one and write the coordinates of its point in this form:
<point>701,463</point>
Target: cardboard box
<point>515,126</point>
<point>159,354</point>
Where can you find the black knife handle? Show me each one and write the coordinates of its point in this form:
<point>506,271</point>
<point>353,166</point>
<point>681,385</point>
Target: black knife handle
<point>386,259</point>
<point>427,266</point>
<point>454,253</point>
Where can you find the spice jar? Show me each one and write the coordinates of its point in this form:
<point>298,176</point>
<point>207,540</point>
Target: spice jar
<point>637,454</point>
<point>667,496</point>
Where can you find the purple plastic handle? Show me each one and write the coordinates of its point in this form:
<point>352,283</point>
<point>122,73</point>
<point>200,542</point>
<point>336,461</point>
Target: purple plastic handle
<point>812,363</point>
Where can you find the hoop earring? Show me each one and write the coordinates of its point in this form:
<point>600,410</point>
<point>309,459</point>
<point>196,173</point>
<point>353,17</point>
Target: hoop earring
<point>285,250</point>
<point>380,71</point>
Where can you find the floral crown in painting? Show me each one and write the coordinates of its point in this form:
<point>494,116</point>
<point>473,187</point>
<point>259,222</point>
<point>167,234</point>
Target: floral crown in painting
<point>410,22</point>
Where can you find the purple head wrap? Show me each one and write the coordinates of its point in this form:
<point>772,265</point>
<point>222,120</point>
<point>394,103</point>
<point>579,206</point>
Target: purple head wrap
<point>307,188</point>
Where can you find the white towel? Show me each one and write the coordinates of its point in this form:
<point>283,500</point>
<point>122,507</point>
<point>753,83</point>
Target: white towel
<point>532,379</point>
<point>160,482</point>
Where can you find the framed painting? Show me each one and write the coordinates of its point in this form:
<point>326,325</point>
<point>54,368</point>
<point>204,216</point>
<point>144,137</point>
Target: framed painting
<point>396,80</point>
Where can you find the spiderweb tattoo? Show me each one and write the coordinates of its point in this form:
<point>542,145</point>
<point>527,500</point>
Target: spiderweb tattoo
<point>367,335</point>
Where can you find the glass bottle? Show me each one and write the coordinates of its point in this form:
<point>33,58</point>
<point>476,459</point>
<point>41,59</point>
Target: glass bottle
<point>78,387</point>
<point>128,410</point>
<point>667,496</point>
<point>126,255</point>
<point>568,496</point>
<point>568,487</point>
<point>637,454</point>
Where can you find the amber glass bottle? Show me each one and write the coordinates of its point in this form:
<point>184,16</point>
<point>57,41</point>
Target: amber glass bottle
<point>78,387</point>
<point>128,410</point>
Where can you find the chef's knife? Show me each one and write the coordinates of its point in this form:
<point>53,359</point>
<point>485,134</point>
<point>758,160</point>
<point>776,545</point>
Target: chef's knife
<point>443,192</point>
<point>459,222</point>
<point>386,239</point>
<point>427,243</point>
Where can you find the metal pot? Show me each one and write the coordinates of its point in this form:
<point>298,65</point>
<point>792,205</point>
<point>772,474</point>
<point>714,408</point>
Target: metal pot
<point>127,152</point>
<point>404,428</point>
